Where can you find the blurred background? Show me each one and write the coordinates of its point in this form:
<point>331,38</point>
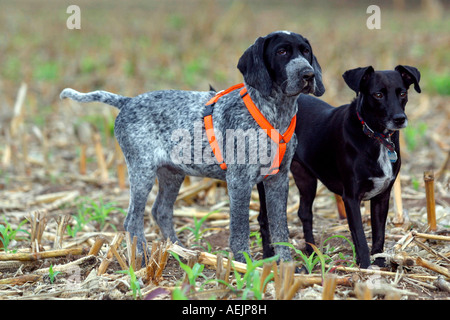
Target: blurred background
<point>130,47</point>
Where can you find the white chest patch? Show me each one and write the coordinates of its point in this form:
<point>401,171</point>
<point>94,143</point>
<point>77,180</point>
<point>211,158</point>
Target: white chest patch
<point>381,183</point>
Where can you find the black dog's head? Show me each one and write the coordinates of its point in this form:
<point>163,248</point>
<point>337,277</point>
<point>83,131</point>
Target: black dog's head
<point>285,59</point>
<point>384,94</point>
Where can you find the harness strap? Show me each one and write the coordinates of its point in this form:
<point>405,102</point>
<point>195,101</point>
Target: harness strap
<point>209,127</point>
<point>280,140</point>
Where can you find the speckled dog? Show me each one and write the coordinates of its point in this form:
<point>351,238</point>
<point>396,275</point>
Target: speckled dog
<point>277,68</point>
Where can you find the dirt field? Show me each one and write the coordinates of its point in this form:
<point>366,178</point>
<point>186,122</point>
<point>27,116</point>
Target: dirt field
<point>63,186</point>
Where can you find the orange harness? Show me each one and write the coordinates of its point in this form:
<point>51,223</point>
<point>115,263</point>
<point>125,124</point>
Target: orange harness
<point>280,140</point>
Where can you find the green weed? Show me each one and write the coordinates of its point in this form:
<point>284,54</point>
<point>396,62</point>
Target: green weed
<point>8,234</point>
<point>134,282</point>
<point>192,275</point>
<point>197,230</point>
<point>255,239</point>
<point>47,71</point>
<point>309,262</point>
<point>89,210</point>
<point>250,283</point>
<point>414,135</point>
<point>52,274</point>
<point>324,256</point>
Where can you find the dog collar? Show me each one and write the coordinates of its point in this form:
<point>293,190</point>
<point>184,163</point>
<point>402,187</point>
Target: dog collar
<point>380,137</point>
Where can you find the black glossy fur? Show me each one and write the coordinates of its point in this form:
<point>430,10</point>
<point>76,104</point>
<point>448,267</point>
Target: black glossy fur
<point>333,148</point>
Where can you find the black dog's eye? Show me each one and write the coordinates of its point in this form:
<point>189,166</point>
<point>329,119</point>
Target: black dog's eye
<point>403,94</point>
<point>378,95</point>
<point>282,52</point>
<point>306,51</point>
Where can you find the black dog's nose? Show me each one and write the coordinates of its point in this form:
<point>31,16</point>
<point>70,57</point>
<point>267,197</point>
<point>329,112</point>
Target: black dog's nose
<point>308,76</point>
<point>399,119</point>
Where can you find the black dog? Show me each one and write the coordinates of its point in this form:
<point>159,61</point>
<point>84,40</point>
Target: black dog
<point>353,150</point>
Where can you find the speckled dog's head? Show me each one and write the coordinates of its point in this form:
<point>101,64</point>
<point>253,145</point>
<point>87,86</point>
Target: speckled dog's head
<point>284,59</point>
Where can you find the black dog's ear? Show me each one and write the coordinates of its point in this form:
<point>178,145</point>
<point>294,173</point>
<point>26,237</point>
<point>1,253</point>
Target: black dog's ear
<point>409,75</point>
<point>356,78</point>
<point>252,66</point>
<point>319,88</point>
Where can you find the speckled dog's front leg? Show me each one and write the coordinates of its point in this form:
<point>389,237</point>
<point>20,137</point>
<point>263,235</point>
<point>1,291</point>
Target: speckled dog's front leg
<point>239,192</point>
<point>277,188</point>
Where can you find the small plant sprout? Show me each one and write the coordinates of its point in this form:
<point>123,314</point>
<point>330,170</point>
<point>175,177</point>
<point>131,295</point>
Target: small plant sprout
<point>191,273</point>
<point>250,283</point>
<point>89,210</point>
<point>52,274</point>
<point>8,234</point>
<point>351,261</point>
<point>255,239</point>
<point>197,230</point>
<point>134,282</point>
<point>309,262</point>
<point>323,256</point>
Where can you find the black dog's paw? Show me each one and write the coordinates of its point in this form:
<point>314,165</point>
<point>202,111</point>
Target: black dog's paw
<point>380,262</point>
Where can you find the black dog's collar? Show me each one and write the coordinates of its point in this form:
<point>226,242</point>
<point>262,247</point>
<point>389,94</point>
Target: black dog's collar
<point>384,139</point>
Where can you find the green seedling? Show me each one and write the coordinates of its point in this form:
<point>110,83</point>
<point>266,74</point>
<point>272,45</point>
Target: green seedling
<point>351,261</point>
<point>250,282</point>
<point>318,256</point>
<point>134,282</point>
<point>207,249</point>
<point>8,235</point>
<point>89,210</point>
<point>46,71</point>
<point>322,258</point>
<point>414,135</point>
<point>192,273</point>
<point>52,274</point>
<point>99,211</point>
<point>309,262</point>
<point>255,239</point>
<point>197,229</point>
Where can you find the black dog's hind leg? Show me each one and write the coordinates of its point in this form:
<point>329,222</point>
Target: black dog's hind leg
<point>307,185</point>
<point>263,221</point>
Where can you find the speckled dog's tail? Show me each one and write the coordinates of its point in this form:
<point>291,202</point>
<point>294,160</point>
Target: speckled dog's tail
<point>112,99</point>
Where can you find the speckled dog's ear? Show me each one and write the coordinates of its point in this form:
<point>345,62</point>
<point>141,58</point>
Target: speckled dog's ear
<point>252,66</point>
<point>319,88</point>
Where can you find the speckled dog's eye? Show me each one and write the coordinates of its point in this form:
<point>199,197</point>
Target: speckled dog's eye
<point>281,52</point>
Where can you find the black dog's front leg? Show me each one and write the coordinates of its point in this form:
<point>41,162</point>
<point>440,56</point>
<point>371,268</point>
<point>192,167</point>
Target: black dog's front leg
<point>352,208</point>
<point>379,207</point>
